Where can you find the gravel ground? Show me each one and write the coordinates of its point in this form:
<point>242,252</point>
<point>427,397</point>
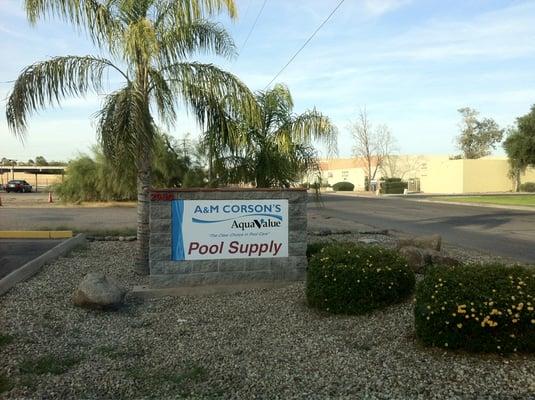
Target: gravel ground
<point>256,344</point>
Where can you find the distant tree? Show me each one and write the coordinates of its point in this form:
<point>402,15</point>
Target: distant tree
<point>373,144</point>
<point>5,161</point>
<point>96,178</point>
<point>478,136</point>
<point>397,166</point>
<point>30,162</point>
<point>520,146</point>
<point>275,151</point>
<point>40,161</point>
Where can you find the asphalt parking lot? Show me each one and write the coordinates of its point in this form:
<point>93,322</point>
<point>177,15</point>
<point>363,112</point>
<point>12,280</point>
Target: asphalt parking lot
<point>14,253</point>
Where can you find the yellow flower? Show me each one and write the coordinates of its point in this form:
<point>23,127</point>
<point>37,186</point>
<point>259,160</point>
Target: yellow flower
<point>459,326</point>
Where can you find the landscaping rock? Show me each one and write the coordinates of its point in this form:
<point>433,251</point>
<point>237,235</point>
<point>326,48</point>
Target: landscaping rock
<point>416,258</point>
<point>433,242</point>
<point>436,258</point>
<point>98,291</point>
<point>419,259</point>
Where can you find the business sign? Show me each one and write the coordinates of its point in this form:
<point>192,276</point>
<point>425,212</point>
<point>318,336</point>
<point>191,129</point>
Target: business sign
<point>218,229</point>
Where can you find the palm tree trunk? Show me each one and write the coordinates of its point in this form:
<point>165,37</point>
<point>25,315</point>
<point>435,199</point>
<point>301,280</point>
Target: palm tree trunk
<point>141,263</point>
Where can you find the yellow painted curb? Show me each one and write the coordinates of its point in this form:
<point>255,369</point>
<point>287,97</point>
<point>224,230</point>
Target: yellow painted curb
<point>35,234</point>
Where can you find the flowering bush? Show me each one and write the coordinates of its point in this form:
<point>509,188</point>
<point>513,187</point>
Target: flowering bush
<point>351,279</point>
<point>482,308</point>
<point>314,248</point>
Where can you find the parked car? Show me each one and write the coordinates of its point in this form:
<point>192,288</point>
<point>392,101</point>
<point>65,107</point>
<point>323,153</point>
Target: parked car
<point>18,186</point>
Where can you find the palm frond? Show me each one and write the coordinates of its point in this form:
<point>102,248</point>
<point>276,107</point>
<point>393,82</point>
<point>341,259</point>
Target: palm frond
<point>313,125</point>
<point>182,12</point>
<point>124,125</point>
<point>210,93</point>
<point>47,82</point>
<point>163,96</point>
<point>178,42</point>
<point>92,16</point>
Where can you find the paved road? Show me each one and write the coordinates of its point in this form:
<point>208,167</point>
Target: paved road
<point>77,219</point>
<point>502,232</point>
<point>14,253</point>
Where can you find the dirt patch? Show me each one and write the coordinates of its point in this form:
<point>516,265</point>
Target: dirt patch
<point>41,200</point>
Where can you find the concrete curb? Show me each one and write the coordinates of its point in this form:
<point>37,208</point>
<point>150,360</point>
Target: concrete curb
<point>32,267</point>
<point>35,234</point>
<point>482,205</point>
<point>147,293</point>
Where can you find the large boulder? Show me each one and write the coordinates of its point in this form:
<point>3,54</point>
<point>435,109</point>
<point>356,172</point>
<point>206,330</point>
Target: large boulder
<point>98,291</point>
<point>419,259</point>
<point>432,242</point>
<point>416,258</point>
<point>437,258</point>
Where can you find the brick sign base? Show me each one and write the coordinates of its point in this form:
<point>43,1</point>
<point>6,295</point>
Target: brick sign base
<point>165,273</point>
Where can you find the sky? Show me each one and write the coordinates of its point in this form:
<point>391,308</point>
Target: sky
<point>411,63</point>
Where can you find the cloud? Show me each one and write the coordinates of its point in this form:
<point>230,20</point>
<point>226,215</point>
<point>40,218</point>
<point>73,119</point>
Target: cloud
<point>376,8</point>
<point>503,33</point>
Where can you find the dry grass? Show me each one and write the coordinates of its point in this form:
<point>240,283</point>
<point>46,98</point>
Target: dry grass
<point>40,200</point>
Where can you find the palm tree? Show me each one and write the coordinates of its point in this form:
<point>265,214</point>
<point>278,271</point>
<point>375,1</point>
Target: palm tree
<point>273,151</point>
<point>150,44</point>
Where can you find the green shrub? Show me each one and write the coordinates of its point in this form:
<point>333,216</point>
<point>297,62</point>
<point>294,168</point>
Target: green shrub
<point>351,279</point>
<point>482,308</point>
<point>393,186</point>
<point>343,187</point>
<point>314,248</point>
<point>527,187</point>
<point>96,178</point>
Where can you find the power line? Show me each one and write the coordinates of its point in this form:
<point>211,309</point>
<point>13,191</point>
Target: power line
<point>253,26</point>
<point>306,42</point>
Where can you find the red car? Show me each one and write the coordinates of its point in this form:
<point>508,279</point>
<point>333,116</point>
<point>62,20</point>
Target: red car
<point>18,186</point>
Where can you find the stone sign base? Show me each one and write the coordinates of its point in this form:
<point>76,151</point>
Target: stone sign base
<point>166,273</point>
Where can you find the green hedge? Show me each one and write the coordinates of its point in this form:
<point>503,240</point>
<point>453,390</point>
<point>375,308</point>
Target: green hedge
<point>351,279</point>
<point>481,308</point>
<point>343,187</point>
<point>314,248</point>
<point>392,186</point>
<point>527,187</point>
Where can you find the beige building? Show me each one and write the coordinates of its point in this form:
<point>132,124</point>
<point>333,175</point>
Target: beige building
<point>434,174</point>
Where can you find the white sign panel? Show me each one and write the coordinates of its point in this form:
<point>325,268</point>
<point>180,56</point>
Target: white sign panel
<point>218,229</point>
